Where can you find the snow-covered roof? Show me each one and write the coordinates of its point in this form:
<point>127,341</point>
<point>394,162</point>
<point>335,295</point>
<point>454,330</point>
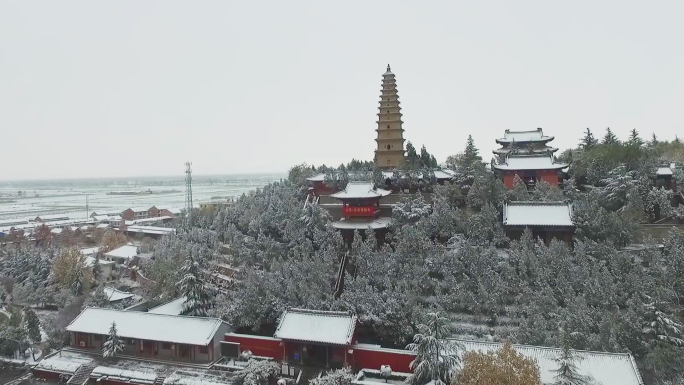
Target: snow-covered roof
<point>116,295</point>
<point>358,190</point>
<point>443,174</point>
<point>90,261</point>
<point>328,327</point>
<point>664,171</point>
<point>62,364</point>
<point>118,375</point>
<point>106,212</point>
<point>174,307</point>
<point>524,136</point>
<point>525,150</point>
<point>362,223</point>
<point>102,226</point>
<point>148,220</point>
<point>147,326</point>
<point>174,210</point>
<point>605,368</point>
<point>138,209</point>
<point>537,214</point>
<point>89,251</point>
<point>56,231</point>
<point>153,230</point>
<point>125,251</point>
<point>388,72</point>
<point>52,217</point>
<point>529,162</point>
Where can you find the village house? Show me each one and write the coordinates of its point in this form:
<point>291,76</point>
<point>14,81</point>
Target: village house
<point>122,255</point>
<point>151,336</point>
<point>135,213</point>
<point>546,220</point>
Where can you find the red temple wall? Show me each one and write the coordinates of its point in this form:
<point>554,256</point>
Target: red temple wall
<point>373,358</point>
<point>259,346</point>
<point>549,176</point>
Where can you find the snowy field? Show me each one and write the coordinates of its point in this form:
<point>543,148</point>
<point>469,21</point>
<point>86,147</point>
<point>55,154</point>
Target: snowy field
<point>31,198</point>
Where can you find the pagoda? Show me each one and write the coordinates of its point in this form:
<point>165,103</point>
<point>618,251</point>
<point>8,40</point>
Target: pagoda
<point>524,143</point>
<point>360,208</point>
<point>527,155</point>
<point>390,141</point>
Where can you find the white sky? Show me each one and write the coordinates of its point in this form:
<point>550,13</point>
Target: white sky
<point>129,88</point>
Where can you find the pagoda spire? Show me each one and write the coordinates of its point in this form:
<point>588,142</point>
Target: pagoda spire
<point>390,134</point>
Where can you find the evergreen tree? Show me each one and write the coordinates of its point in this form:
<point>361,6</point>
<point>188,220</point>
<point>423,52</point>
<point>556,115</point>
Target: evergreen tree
<point>114,344</point>
<point>198,300</point>
<point>97,269</point>
<point>588,141</point>
<point>433,162</point>
<point>634,139</point>
<point>424,157</point>
<point>568,372</point>
<point>411,154</point>
<point>32,325</point>
<point>436,358</point>
<point>471,155</point>
<point>77,286</point>
<point>100,298</point>
<point>610,139</point>
<point>654,141</point>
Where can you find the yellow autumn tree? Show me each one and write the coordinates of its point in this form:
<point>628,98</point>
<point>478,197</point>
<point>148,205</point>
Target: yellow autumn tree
<point>501,367</point>
<point>112,240</point>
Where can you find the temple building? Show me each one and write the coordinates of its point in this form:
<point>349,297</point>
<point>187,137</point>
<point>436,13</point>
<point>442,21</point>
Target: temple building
<point>532,142</point>
<point>546,220</point>
<point>390,141</point>
<point>527,155</point>
<point>360,208</point>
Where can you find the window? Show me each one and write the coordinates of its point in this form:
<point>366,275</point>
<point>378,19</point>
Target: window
<point>388,146</point>
<point>203,350</point>
<point>388,126</point>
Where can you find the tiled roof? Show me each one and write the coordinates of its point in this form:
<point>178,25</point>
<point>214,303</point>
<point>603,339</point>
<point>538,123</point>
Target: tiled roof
<point>327,327</point>
<point>605,368</point>
<point>529,162</point>
<point>174,307</point>
<point>362,223</point>
<point>360,190</point>
<point>537,214</point>
<point>664,170</point>
<point>524,136</point>
<point>147,326</point>
<point>126,251</point>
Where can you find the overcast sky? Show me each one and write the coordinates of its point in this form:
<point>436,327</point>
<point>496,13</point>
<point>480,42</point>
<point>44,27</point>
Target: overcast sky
<point>131,88</point>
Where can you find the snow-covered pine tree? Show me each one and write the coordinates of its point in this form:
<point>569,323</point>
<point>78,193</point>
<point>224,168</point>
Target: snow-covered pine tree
<point>77,285</point>
<point>32,325</point>
<point>634,139</point>
<point>198,300</point>
<point>97,269</point>
<point>100,298</point>
<point>568,372</point>
<point>609,138</point>
<point>436,358</point>
<point>114,344</point>
<point>588,141</point>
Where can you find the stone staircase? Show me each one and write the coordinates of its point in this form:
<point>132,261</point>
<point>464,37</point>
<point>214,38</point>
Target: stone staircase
<point>159,380</point>
<point>82,374</point>
<point>308,373</point>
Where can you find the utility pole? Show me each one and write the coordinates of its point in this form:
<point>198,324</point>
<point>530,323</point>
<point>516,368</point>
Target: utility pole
<point>87,211</point>
<point>188,188</point>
